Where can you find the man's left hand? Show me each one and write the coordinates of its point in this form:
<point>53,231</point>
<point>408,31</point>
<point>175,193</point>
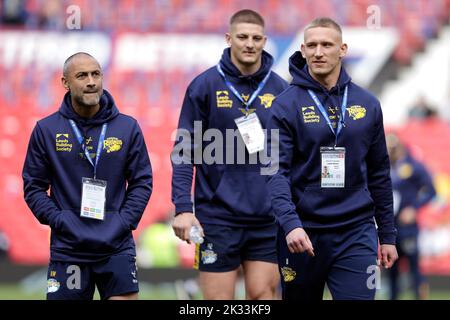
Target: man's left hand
<point>388,254</point>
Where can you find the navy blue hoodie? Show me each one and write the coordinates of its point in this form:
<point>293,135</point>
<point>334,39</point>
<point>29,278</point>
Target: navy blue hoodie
<point>297,198</point>
<point>413,187</point>
<point>55,160</point>
<point>225,194</point>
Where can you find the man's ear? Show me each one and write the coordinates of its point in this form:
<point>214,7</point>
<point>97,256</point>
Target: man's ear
<point>65,83</point>
<point>302,50</point>
<point>228,38</point>
<point>343,51</point>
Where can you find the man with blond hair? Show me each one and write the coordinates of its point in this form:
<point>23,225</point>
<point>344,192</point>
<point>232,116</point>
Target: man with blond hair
<point>333,177</point>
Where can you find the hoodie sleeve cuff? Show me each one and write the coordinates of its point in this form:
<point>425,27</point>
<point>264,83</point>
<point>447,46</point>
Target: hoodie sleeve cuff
<point>185,207</point>
<point>387,238</point>
<point>291,223</point>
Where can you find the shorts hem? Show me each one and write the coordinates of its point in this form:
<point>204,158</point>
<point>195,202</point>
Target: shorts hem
<point>121,293</point>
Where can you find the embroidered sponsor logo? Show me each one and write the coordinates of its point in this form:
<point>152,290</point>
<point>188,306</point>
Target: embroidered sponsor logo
<point>310,115</point>
<point>223,99</point>
<point>62,142</point>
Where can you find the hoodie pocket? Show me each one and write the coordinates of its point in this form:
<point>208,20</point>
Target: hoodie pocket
<point>330,203</point>
<point>92,235</point>
<point>243,193</point>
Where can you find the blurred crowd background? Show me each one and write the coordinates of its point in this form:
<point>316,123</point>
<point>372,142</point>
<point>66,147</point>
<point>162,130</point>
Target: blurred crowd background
<point>150,51</point>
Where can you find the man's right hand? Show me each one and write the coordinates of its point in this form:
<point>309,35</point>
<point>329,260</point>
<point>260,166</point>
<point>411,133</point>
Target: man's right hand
<point>298,242</point>
<point>182,224</point>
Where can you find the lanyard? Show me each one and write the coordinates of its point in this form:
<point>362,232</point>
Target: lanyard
<point>86,152</point>
<point>325,115</point>
<point>236,93</point>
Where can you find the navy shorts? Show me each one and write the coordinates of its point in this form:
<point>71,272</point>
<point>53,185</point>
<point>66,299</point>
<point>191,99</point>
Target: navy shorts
<point>225,248</point>
<point>114,276</point>
<point>345,260</point>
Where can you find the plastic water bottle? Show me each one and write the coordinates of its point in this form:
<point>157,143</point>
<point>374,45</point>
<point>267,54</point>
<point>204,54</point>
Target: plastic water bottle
<point>195,235</point>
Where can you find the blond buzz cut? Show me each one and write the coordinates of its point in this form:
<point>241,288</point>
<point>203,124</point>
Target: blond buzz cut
<point>324,22</point>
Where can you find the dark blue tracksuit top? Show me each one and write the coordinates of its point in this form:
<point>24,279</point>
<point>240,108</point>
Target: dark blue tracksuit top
<point>297,198</point>
<point>55,160</point>
<point>413,187</point>
<point>225,194</point>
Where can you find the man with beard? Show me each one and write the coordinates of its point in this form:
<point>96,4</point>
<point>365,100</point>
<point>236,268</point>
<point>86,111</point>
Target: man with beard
<point>95,162</point>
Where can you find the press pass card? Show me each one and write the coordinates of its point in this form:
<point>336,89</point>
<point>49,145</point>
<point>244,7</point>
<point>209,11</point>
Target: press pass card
<point>332,167</point>
<point>93,198</point>
<point>251,132</point>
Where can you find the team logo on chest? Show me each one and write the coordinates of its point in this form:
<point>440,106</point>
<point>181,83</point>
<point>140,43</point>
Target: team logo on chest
<point>112,144</point>
<point>310,115</point>
<point>266,100</point>
<point>356,112</point>
<point>223,99</point>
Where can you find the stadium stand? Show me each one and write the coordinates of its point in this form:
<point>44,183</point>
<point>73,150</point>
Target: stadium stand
<point>417,20</point>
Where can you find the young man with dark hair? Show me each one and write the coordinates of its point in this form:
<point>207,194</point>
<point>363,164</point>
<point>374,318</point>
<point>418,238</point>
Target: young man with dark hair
<point>231,200</point>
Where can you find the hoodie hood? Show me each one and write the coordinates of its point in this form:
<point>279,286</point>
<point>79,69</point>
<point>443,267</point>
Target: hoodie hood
<point>231,70</point>
<point>107,112</point>
<point>301,77</point>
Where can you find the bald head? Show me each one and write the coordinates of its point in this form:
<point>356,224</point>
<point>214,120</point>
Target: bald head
<point>83,78</point>
<point>73,59</point>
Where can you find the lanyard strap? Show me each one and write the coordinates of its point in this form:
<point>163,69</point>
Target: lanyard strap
<point>236,93</point>
<point>83,146</point>
<point>325,114</point>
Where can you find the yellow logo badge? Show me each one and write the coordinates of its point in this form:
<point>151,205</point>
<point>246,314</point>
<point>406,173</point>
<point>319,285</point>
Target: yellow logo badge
<point>112,144</point>
<point>223,99</point>
<point>310,115</point>
<point>62,142</point>
<point>245,112</point>
<point>356,112</point>
<point>288,274</point>
<point>266,100</point>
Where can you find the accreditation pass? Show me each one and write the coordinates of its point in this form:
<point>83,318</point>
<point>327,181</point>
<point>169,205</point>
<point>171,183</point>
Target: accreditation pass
<point>251,132</point>
<point>332,167</point>
<point>93,198</point>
